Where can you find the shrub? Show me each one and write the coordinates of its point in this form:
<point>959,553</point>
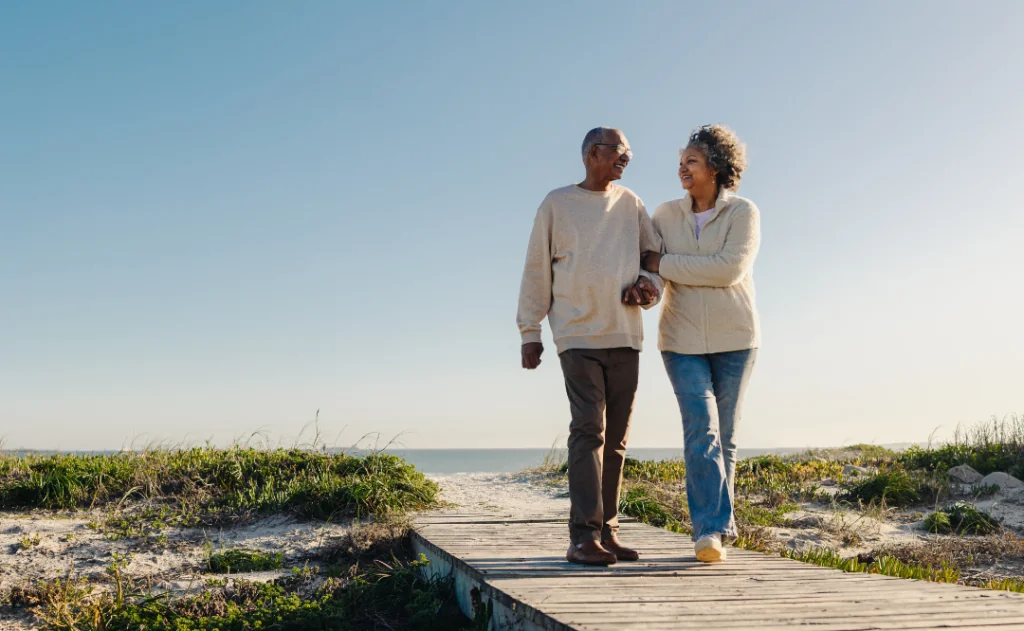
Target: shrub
<point>961,518</point>
<point>654,470</point>
<point>244,560</point>
<point>894,488</point>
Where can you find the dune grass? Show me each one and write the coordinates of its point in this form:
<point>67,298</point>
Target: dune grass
<point>886,566</point>
<point>994,445</point>
<point>244,560</point>
<point>654,470</point>
<point>640,501</point>
<point>378,590</point>
<point>205,485</point>
<point>769,488</point>
<point>892,487</point>
<point>362,582</point>
<point>961,518</point>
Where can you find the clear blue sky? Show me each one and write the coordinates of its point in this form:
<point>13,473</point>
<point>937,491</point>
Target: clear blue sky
<point>217,218</point>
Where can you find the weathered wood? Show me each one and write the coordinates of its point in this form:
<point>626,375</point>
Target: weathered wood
<point>519,563</point>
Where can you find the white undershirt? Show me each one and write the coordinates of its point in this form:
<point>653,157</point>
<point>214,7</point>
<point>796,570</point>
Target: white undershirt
<point>702,218</point>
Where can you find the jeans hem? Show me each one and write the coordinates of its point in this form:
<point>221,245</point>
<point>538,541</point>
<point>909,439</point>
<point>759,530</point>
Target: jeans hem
<point>726,537</point>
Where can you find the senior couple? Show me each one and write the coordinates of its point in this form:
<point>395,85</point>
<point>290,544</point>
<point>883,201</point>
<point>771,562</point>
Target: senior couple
<point>595,259</point>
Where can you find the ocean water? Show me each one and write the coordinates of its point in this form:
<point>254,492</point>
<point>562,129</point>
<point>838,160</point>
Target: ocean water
<point>449,461</point>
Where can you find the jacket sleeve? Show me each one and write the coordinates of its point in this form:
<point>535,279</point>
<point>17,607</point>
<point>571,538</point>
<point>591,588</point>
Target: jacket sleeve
<point>725,268</point>
<point>535,289</point>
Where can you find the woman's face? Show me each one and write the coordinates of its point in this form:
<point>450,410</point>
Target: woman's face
<point>694,171</point>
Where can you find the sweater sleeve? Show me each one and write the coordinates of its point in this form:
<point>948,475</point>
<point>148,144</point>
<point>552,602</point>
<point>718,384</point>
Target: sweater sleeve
<point>535,289</point>
<point>728,266</point>
<point>650,241</point>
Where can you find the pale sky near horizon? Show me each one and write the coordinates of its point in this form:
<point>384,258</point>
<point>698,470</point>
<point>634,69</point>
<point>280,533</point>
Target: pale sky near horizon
<point>216,219</point>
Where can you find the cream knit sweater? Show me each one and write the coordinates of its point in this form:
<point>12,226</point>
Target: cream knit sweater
<point>584,252</point>
<point>709,302</point>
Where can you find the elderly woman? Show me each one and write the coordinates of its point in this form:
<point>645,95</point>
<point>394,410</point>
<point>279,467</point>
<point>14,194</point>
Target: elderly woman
<point>709,332</point>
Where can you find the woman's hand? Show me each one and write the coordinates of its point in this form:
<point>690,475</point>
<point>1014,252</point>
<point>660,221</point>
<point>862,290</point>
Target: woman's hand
<point>651,261</point>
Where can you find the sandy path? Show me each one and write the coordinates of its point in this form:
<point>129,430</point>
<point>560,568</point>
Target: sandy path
<point>506,494</point>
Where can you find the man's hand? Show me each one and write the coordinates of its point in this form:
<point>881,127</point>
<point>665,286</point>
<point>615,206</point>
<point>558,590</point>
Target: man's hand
<point>651,261</point>
<point>640,293</point>
<point>531,354</point>
<point>647,290</point>
<point>632,296</point>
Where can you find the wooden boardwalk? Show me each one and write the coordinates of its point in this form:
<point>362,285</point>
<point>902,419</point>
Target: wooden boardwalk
<point>519,564</point>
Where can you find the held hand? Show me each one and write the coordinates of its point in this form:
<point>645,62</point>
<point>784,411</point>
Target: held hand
<point>651,261</point>
<point>647,290</point>
<point>531,354</point>
<point>632,296</point>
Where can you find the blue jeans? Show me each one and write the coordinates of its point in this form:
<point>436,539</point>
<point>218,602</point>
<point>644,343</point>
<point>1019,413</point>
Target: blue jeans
<point>710,391</point>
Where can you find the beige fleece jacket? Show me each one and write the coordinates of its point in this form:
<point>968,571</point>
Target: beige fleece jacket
<point>584,252</point>
<point>709,302</point>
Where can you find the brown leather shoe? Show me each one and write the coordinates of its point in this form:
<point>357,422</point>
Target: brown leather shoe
<point>590,553</point>
<point>621,552</point>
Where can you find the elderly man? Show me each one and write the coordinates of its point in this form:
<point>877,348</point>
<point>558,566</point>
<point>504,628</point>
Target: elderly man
<point>583,273</point>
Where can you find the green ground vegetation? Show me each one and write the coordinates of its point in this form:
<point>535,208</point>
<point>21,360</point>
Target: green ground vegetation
<point>966,543</point>
<point>367,580</point>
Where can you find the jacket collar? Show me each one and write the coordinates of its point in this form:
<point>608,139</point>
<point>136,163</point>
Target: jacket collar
<point>724,197</point>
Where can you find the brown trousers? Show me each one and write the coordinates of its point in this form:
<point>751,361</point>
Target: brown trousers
<point>601,384</point>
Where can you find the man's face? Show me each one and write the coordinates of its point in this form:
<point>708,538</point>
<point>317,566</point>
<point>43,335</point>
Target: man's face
<point>608,159</point>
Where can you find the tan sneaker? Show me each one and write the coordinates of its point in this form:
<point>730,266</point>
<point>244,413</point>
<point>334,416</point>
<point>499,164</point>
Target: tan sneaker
<point>709,549</point>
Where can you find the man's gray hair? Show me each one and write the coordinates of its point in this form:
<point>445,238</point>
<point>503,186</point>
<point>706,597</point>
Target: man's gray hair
<point>593,137</point>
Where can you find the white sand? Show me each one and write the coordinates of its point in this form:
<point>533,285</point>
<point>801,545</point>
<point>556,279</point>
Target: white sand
<point>506,494</point>
<point>68,545</point>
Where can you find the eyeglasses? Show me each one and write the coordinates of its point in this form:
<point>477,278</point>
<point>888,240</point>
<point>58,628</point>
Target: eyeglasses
<point>619,148</point>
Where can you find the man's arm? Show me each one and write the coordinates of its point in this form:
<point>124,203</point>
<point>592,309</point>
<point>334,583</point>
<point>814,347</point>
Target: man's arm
<point>723,269</point>
<point>650,240</point>
<point>535,289</point>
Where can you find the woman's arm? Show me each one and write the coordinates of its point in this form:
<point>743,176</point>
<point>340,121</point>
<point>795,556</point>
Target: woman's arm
<point>723,269</point>
<point>650,239</point>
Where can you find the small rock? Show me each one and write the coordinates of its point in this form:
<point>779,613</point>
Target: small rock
<point>851,469</point>
<point>1014,496</point>
<point>964,473</point>
<point>1004,481</point>
<point>805,521</point>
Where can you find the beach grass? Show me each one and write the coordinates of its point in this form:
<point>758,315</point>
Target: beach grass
<point>893,487</point>
<point>386,594</point>
<point>886,565</point>
<point>990,446</point>
<point>965,544</point>
<point>368,579</point>
<point>205,485</point>
<point>244,560</point>
<point>961,518</point>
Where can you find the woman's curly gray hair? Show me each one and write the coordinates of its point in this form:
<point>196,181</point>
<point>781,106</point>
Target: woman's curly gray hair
<point>725,153</point>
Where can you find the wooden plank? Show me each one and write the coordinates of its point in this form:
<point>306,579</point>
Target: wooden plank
<point>521,563</point>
